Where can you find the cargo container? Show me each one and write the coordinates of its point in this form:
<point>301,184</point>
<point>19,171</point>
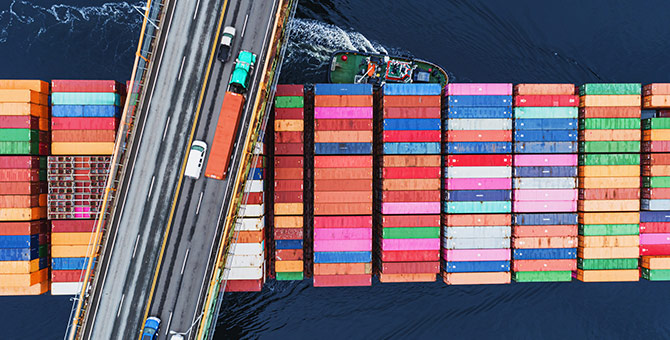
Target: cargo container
<point>224,136</point>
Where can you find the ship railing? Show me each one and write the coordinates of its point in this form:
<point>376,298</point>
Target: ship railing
<point>125,137</point>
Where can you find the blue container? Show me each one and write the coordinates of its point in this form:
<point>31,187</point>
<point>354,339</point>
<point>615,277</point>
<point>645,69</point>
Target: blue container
<point>464,112</point>
<point>19,241</point>
<point>69,263</point>
<point>545,147</point>
<point>343,257</point>
<point>546,135</point>
<point>475,266</point>
<point>99,111</point>
<point>342,89</point>
<point>545,254</point>
<point>255,173</point>
<point>19,254</point>
<point>288,244</point>
<point>654,216</point>
<point>545,171</point>
<point>478,195</point>
<point>477,207</point>
<point>480,101</point>
<point>546,219</point>
<point>546,124</point>
<point>417,89</point>
<point>479,147</point>
<point>425,148</point>
<point>412,124</point>
<point>342,148</point>
<point>646,114</point>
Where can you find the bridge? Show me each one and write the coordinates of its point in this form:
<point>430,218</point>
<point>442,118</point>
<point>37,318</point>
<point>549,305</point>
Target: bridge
<point>161,243</point>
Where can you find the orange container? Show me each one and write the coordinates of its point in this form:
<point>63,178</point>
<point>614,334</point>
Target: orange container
<point>343,197</point>
<point>412,101</point>
<point>657,88</point>
<point>608,205</point>
<point>609,218</point>
<point>544,265</point>
<point>656,135</point>
<point>24,280</point>
<point>83,135</point>
<point>342,101</point>
<point>608,275</point>
<point>36,289</point>
<point>19,201</point>
<point>288,173</point>
<point>69,251</point>
<point>476,278</point>
<point>610,112</point>
<point>610,100</point>
<point>68,239</point>
<point>609,171</point>
<point>256,236</point>
<point>289,125</point>
<point>341,174</point>
<point>544,230</point>
<point>342,209</point>
<point>478,135</point>
<point>656,262</point>
<point>608,182</point>
<point>411,184</point>
<point>342,268</point>
<point>544,89</point>
<point>25,84</point>
<point>340,185</point>
<point>478,220</point>
<point>422,277</point>
<point>288,266</point>
<point>349,161</point>
<point>23,96</point>
<point>19,267</point>
<point>22,214</point>
<point>411,161</point>
<point>288,222</point>
<point>24,109</point>
<point>76,148</point>
<point>619,241</point>
<point>609,253</point>
<point>343,136</point>
<point>609,135</point>
<point>656,101</point>
<point>43,124</point>
<point>288,208</point>
<point>544,242</point>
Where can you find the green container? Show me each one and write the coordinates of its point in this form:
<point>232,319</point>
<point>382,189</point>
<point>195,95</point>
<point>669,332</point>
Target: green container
<point>19,135</point>
<point>610,89</point>
<point>427,232</point>
<point>609,229</point>
<point>44,250</point>
<point>656,182</point>
<point>19,148</point>
<point>545,112</point>
<point>656,274</point>
<point>85,98</point>
<point>609,159</point>
<point>656,123</point>
<point>610,124</point>
<point>607,264</point>
<point>289,101</point>
<point>289,276</point>
<point>622,146</point>
<point>550,276</point>
<point>43,162</point>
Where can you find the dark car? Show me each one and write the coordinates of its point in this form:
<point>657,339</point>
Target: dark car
<point>226,43</point>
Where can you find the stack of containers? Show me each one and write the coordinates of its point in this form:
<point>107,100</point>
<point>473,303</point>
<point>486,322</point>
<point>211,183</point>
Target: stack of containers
<point>70,240</point>
<point>609,182</point>
<point>289,160</point>
<point>408,202</point>
<point>247,255</point>
<point>23,229</point>
<point>76,186</point>
<point>477,223</point>
<point>655,217</point>
<point>342,185</point>
<point>85,116</point>
<point>545,182</point>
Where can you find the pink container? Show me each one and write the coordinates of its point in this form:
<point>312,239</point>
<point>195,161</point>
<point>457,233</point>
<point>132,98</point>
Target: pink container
<point>544,206</point>
<point>411,244</point>
<point>545,160</point>
<point>476,254</point>
<point>343,221</point>
<point>654,238</point>
<point>342,234</point>
<point>546,195</point>
<point>339,245</point>
<point>479,183</point>
<point>399,208</point>
<point>469,89</point>
<point>84,210</point>
<point>342,113</point>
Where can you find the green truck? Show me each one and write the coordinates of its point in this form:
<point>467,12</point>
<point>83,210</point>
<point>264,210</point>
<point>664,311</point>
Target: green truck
<point>239,80</point>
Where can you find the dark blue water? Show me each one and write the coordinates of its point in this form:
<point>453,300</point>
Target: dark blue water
<point>484,41</point>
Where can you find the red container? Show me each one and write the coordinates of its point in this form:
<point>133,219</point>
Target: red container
<point>288,137</point>
<point>342,124</point>
<point>412,112</point>
<point>609,194</point>
<point>411,136</point>
<point>66,275</point>
<point>409,221</point>
<point>83,136</point>
<point>288,254</point>
<point>23,188</point>
<point>290,113</point>
<point>656,193</point>
<point>78,85</point>
<point>544,230</point>
<point>409,255</point>
<point>342,280</point>
<point>289,90</point>
<point>546,100</point>
<point>289,197</point>
<point>654,228</point>
<point>289,149</point>
<point>610,112</point>
<point>288,185</point>
<point>478,135</point>
<point>73,226</point>
<point>544,265</point>
<point>19,122</point>
<point>288,233</point>
<point>19,175</point>
<point>19,162</point>
<point>244,285</point>
<point>289,162</point>
<point>23,228</point>
<point>340,185</point>
<point>478,220</point>
<point>410,267</point>
<point>342,221</point>
<point>654,249</point>
<point>411,196</point>
<point>255,198</point>
<point>479,160</point>
<point>288,173</point>
<point>655,159</point>
<point>410,172</point>
<point>60,123</point>
<point>354,161</point>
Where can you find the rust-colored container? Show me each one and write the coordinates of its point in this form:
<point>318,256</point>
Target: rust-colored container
<point>289,149</point>
<point>288,222</point>
<point>288,208</point>
<point>343,197</point>
<point>256,236</point>
<point>609,253</point>
<point>342,173</point>
<point>478,135</point>
<point>289,113</point>
<point>342,124</point>
<point>24,109</point>
<point>342,268</point>
<point>288,266</point>
<point>343,161</point>
<point>405,277</point>
<point>83,135</point>
<point>25,84</point>
<point>478,220</point>
<point>609,194</point>
<point>610,100</point>
<point>22,188</point>
<point>477,278</point>
<point>544,89</point>
<point>412,101</point>
<point>411,196</point>
<point>342,209</point>
<point>288,254</point>
<point>543,265</point>
<point>609,241</point>
<point>544,242</point>
<point>609,218</point>
<point>20,201</point>
<point>289,137</point>
<point>23,228</point>
<point>288,185</point>
<point>412,112</point>
<point>609,135</point>
<point>410,267</point>
<point>289,197</point>
<point>544,230</point>
<point>608,182</point>
<point>411,161</point>
<point>655,158</point>
<point>288,173</point>
<point>289,125</point>
<point>655,193</point>
<point>288,233</point>
<point>608,275</point>
<point>339,185</point>
<point>343,136</point>
<point>610,112</point>
<point>287,162</point>
<point>609,171</point>
<point>342,101</point>
<point>411,184</point>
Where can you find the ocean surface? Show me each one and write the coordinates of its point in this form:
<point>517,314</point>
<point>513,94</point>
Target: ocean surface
<point>476,41</point>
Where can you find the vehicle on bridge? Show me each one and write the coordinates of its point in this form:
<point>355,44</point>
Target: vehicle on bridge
<point>151,326</point>
<point>196,158</point>
<point>225,135</point>
<point>239,81</point>
<point>226,44</point>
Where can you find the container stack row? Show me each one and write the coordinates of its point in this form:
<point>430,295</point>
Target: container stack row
<point>545,182</point>
<point>609,182</point>
<point>289,160</point>
<point>408,171</point>
<point>70,241</point>
<point>342,185</point>
<point>478,170</point>
<point>655,205</point>
<point>24,230</point>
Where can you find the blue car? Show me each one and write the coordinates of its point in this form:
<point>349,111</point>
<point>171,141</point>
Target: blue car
<point>151,326</point>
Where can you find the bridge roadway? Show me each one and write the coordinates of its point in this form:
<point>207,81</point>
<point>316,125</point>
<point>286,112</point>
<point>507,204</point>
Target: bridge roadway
<point>138,227</point>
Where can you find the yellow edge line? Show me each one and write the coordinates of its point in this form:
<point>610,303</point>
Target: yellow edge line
<point>183,165</point>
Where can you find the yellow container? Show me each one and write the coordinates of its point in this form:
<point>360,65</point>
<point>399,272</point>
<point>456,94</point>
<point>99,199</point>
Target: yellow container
<point>608,275</point>
<point>657,170</point>
<point>620,241</point>
<point>19,267</point>
<point>343,136</point>
<point>288,209</point>
<point>78,148</point>
<point>69,239</point>
<point>656,135</point>
<point>25,84</point>
<point>24,280</point>
<point>656,262</point>
<point>288,221</point>
<point>289,125</point>
<point>608,182</point>
<point>24,109</point>
<point>609,218</point>
<point>23,96</point>
<point>288,266</point>
<point>609,253</point>
<point>69,251</point>
<point>610,100</point>
<point>657,101</point>
<point>411,184</point>
<point>609,205</point>
<point>609,171</point>
<point>22,214</point>
<point>610,135</point>
<point>36,289</point>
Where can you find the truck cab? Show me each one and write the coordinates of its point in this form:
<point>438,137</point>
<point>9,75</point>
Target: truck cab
<point>239,80</point>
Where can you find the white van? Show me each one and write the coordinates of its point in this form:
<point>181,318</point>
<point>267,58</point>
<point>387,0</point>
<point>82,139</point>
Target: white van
<point>196,158</point>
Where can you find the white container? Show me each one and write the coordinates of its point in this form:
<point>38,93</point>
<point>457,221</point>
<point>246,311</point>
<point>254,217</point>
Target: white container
<point>247,260</point>
<point>545,183</point>
<point>477,243</point>
<point>252,210</point>
<point>65,288</point>
<point>478,232</point>
<point>479,172</point>
<point>250,223</point>
<point>479,124</point>
<point>247,248</point>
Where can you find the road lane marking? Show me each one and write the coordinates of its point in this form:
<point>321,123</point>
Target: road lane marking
<point>120,304</point>
<point>197,210</point>
<point>151,188</point>
<point>182,67</point>
<point>197,5</point>
<point>136,242</point>
<point>183,265</point>
<point>166,128</point>
<point>244,28</point>
<point>167,327</point>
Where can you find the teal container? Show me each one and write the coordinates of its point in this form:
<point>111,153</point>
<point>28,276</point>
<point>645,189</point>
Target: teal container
<point>656,123</point>
<point>609,229</point>
<point>548,276</point>
<point>605,147</point>
<point>609,159</point>
<point>502,207</point>
<point>607,264</point>
<point>19,135</point>
<point>289,101</point>
<point>545,112</point>
<point>610,89</point>
<point>406,233</point>
<point>19,148</point>
<point>656,274</point>
<point>85,98</point>
<point>610,124</point>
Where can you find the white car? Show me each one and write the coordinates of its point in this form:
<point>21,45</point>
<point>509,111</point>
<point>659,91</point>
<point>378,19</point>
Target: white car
<point>196,158</point>
<point>226,43</point>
